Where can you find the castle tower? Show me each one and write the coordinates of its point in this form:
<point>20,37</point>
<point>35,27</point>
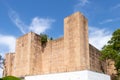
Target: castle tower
<point>76,46</point>
<point>28,55</point>
<point>22,56</point>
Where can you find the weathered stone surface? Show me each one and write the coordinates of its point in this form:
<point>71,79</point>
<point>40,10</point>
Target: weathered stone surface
<point>76,47</point>
<point>9,61</point>
<point>111,70</point>
<point>69,53</point>
<point>95,63</point>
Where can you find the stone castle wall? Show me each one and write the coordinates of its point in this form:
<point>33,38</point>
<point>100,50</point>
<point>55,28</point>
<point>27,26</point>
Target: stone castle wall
<point>9,61</point>
<point>48,59</point>
<point>95,63</point>
<point>22,56</point>
<point>69,53</point>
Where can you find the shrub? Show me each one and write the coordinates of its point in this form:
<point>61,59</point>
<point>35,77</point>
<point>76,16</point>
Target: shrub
<point>10,78</point>
<point>44,38</point>
<point>1,79</point>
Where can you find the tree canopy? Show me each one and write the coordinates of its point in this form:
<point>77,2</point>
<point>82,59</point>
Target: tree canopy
<point>112,49</point>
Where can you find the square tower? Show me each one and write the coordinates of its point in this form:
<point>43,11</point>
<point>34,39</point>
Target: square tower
<point>22,56</point>
<point>76,46</point>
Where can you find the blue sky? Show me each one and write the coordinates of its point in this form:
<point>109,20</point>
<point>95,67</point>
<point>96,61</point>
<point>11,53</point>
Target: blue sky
<point>18,17</point>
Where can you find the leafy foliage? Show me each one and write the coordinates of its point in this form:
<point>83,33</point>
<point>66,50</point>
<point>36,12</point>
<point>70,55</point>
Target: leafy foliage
<point>112,50</point>
<point>1,62</point>
<point>10,78</point>
<point>1,79</point>
<point>44,39</point>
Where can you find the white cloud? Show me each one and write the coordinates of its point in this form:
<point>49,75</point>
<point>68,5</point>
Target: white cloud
<point>98,37</point>
<point>17,21</point>
<point>109,20</point>
<point>38,25</point>
<point>80,5</point>
<point>8,41</point>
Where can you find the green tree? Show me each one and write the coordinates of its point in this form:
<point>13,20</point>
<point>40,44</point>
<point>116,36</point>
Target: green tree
<point>112,50</point>
<point>1,62</point>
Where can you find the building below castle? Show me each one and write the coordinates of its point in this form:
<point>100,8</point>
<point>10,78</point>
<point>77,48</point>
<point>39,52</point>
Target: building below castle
<point>70,53</point>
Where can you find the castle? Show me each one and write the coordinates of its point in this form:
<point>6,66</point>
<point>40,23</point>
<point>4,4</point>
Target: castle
<point>70,53</point>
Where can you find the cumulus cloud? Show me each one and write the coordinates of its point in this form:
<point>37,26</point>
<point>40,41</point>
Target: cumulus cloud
<point>98,37</point>
<point>8,41</point>
<point>38,25</point>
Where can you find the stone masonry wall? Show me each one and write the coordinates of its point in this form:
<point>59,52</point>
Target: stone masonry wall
<point>57,56</point>
<point>111,70</point>
<point>76,46</point>
<point>69,53</point>
<point>35,55</point>
<point>48,59</point>
<point>22,56</point>
<point>95,63</point>
<point>9,62</point>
